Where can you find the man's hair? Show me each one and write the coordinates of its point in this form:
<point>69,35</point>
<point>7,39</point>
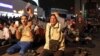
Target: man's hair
<point>25,16</point>
<point>27,9</point>
<point>53,15</point>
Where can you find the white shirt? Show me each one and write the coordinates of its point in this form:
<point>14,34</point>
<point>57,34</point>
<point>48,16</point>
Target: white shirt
<point>55,34</point>
<point>6,33</point>
<point>12,29</point>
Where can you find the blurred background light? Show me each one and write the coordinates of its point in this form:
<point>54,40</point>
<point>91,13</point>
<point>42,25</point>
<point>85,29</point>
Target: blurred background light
<point>6,5</point>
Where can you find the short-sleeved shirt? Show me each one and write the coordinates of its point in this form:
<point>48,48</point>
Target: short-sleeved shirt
<point>25,31</point>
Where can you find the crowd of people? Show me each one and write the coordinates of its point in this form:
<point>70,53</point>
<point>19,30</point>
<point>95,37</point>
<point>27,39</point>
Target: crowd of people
<point>57,33</point>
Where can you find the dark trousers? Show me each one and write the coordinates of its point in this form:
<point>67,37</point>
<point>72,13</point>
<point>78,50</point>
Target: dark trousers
<point>3,42</point>
<point>50,53</point>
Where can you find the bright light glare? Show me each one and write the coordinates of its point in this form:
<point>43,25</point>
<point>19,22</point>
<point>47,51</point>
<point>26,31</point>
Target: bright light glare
<point>99,8</point>
<point>10,14</point>
<point>36,1</point>
<point>6,5</point>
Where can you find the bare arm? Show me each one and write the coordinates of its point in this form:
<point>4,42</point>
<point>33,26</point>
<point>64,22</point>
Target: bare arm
<point>18,33</point>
